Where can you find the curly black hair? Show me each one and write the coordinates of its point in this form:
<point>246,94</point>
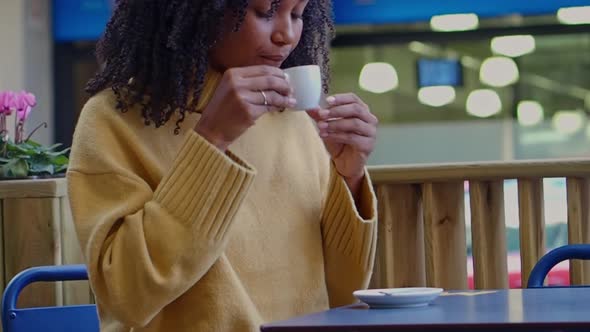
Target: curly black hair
<point>155,53</point>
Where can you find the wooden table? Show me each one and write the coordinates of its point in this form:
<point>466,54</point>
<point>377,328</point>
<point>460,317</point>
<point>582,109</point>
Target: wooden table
<point>539,310</point>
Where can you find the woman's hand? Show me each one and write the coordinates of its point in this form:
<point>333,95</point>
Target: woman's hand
<point>349,131</point>
<point>243,95</point>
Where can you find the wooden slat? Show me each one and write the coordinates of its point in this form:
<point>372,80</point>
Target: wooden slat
<point>32,239</point>
<point>422,173</point>
<point>532,224</point>
<point>488,233</point>
<point>445,241</point>
<point>400,246</point>
<point>75,292</point>
<point>57,248</point>
<point>578,203</point>
<point>33,188</point>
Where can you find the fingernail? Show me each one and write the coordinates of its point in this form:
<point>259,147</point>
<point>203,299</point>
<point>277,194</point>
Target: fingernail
<point>322,125</point>
<point>292,102</point>
<point>324,134</point>
<point>324,113</point>
<point>331,100</point>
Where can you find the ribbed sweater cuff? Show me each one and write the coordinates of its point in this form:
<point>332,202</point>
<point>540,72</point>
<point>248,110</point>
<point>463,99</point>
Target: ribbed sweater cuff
<point>205,186</point>
<point>344,229</point>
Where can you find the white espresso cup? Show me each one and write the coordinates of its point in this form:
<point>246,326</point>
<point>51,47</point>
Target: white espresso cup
<point>306,82</point>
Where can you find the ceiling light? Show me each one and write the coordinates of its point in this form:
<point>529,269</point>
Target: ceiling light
<point>436,96</point>
<point>378,77</point>
<point>568,122</point>
<point>498,71</point>
<point>513,46</point>
<point>483,103</point>
<point>454,22</point>
<point>529,113</point>
<point>574,15</point>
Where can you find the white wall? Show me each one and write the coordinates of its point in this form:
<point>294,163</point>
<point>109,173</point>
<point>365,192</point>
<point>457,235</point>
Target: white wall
<point>26,57</point>
<point>12,41</point>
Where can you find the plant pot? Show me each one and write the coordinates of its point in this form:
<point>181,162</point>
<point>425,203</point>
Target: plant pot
<point>37,229</point>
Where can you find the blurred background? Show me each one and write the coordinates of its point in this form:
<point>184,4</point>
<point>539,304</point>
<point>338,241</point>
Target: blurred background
<point>511,76</point>
<point>451,81</point>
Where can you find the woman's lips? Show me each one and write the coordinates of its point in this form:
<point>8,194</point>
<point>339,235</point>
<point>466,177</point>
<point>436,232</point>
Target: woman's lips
<point>277,57</point>
<point>273,59</point>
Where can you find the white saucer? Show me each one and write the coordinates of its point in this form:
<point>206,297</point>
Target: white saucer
<point>407,297</point>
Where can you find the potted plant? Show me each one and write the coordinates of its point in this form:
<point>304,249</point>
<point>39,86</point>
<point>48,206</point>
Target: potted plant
<point>22,157</point>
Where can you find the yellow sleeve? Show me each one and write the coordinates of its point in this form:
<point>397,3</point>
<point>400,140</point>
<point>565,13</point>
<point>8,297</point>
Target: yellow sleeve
<point>144,247</point>
<point>349,240</point>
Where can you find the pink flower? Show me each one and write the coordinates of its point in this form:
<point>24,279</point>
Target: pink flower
<point>24,103</point>
<point>29,98</point>
<point>22,115</point>
<point>6,102</point>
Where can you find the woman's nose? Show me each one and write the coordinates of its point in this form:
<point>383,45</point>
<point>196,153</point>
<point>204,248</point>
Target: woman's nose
<point>284,30</point>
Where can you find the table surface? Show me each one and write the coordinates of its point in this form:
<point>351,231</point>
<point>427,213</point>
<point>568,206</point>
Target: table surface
<point>545,309</point>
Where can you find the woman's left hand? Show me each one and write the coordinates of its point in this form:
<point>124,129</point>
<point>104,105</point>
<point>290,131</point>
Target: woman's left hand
<point>349,130</point>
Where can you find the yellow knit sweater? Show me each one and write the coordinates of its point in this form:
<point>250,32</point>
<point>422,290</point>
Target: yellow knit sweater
<point>181,237</point>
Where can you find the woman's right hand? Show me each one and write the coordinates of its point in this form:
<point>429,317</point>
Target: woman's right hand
<point>238,102</point>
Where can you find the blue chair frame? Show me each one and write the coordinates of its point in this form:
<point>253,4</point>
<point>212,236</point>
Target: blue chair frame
<point>79,318</point>
<point>552,258</point>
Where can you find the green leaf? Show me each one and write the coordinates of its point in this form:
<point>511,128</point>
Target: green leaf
<point>30,157</point>
<point>42,168</point>
<point>54,154</point>
<point>4,171</point>
<point>60,160</point>
<point>61,169</point>
<point>22,148</point>
<point>18,168</point>
<point>33,143</point>
<point>54,146</point>
<point>11,147</point>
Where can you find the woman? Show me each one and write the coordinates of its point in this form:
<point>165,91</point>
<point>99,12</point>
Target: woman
<point>230,213</point>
